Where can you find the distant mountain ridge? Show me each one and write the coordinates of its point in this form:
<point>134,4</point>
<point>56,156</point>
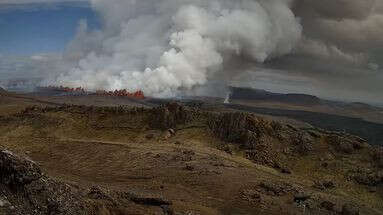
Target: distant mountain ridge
<point>257,94</point>
<point>356,118</point>
<point>239,93</point>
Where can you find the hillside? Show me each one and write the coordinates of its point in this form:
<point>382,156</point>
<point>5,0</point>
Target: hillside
<point>238,93</point>
<point>356,118</point>
<point>174,159</point>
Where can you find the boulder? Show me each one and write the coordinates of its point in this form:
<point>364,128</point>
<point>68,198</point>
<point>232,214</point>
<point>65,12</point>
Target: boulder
<point>189,167</point>
<point>97,193</point>
<point>250,195</point>
<point>15,170</point>
<point>239,128</point>
<point>171,131</point>
<point>341,144</point>
<point>301,197</point>
<point>24,185</point>
<point>368,177</point>
<point>4,203</point>
<point>149,136</point>
<point>303,142</point>
<point>228,150</point>
<point>148,198</point>
<point>2,90</point>
<point>282,168</point>
<point>325,184</point>
<point>168,134</point>
<point>276,188</point>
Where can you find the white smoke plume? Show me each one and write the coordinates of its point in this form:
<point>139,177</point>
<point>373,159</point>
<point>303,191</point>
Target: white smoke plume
<point>320,50</point>
<point>164,47</point>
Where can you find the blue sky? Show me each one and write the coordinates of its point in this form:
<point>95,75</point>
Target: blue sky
<point>27,29</point>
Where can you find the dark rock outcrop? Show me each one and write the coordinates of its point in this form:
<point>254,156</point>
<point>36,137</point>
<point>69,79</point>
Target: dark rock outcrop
<point>2,90</point>
<point>240,128</point>
<point>346,143</point>
<point>17,171</point>
<point>27,189</point>
<point>302,142</point>
<point>301,197</point>
<point>169,116</point>
<point>341,144</point>
<point>264,141</point>
<point>147,198</point>
<point>367,177</point>
<point>277,188</point>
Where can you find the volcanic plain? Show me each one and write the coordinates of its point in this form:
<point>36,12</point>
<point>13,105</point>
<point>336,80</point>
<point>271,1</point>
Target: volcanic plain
<point>106,155</point>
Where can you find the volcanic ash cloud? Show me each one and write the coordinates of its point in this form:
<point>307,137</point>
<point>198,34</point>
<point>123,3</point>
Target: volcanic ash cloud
<point>166,46</point>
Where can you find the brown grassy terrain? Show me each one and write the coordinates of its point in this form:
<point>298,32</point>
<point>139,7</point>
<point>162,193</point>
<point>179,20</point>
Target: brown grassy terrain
<point>208,166</point>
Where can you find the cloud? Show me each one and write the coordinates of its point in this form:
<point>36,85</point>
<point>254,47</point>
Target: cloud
<point>351,25</point>
<point>10,2</point>
<point>318,49</point>
<point>28,67</point>
<point>340,50</point>
<point>38,57</point>
<point>359,35</point>
<point>367,87</point>
<point>331,44</point>
<point>328,48</point>
<point>335,9</point>
<point>184,43</point>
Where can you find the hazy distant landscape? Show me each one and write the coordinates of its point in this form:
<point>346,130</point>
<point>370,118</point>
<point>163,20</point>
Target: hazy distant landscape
<point>309,109</point>
<point>372,132</point>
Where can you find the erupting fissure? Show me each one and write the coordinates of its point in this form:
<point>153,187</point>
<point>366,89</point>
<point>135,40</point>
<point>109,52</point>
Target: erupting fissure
<point>116,93</point>
<point>184,44</point>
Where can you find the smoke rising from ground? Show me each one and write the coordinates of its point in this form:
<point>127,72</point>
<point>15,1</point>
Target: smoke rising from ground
<point>166,46</point>
<point>341,49</point>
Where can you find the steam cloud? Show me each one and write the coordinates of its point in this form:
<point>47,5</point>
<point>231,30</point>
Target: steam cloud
<point>166,46</point>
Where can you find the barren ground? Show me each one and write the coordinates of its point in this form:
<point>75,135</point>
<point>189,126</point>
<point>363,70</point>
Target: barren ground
<point>195,169</point>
